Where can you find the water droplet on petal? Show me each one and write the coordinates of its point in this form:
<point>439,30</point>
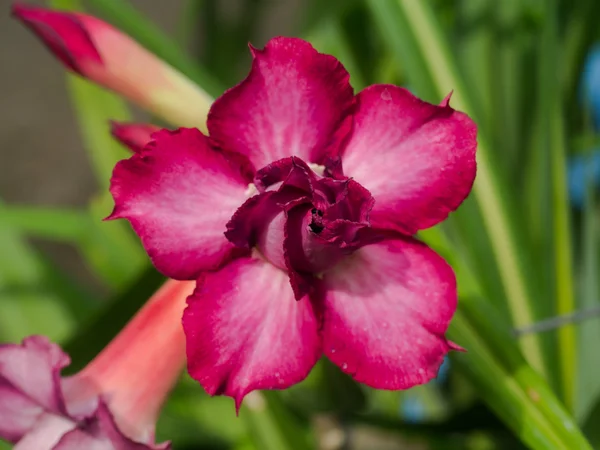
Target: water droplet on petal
<point>344,366</point>
<point>332,350</point>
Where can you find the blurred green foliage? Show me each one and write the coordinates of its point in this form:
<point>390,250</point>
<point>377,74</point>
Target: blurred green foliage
<point>520,251</point>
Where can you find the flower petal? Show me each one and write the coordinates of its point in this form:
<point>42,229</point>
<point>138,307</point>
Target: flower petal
<point>134,136</point>
<point>179,194</point>
<point>416,159</point>
<point>29,385</point>
<point>245,331</point>
<point>101,433</point>
<point>294,102</point>
<point>387,308</point>
<point>34,369</point>
<point>46,433</point>
<point>63,34</point>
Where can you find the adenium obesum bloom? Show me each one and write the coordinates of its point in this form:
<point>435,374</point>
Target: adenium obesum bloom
<point>296,215</point>
<point>114,402</point>
<point>97,51</point>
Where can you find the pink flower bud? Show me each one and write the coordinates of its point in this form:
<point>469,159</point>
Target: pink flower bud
<point>103,54</point>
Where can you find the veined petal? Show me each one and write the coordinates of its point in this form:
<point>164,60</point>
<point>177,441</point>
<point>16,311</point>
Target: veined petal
<point>29,385</point>
<point>96,50</point>
<point>179,194</point>
<point>387,308</point>
<point>416,159</point>
<point>134,136</point>
<point>45,434</point>
<point>294,102</point>
<point>101,433</point>
<point>245,330</point>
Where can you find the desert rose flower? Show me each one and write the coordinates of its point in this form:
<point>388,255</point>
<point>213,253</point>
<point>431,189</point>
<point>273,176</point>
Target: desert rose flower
<point>114,402</point>
<point>296,217</point>
<point>97,51</point>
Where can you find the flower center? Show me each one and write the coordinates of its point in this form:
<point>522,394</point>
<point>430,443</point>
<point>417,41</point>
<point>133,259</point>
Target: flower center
<point>300,220</point>
<point>316,224</point>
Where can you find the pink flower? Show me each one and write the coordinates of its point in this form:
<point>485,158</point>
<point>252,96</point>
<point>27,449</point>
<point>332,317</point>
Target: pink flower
<point>97,51</point>
<point>114,402</point>
<point>296,215</point>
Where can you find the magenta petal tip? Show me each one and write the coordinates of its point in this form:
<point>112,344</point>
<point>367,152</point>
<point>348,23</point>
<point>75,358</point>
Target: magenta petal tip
<point>446,102</point>
<point>62,32</point>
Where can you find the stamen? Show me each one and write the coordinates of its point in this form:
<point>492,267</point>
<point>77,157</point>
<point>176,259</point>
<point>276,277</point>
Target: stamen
<point>251,190</point>
<point>317,168</point>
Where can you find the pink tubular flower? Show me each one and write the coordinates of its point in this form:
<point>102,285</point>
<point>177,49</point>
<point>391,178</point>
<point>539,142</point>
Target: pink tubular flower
<point>101,53</point>
<point>114,402</point>
<point>296,215</point>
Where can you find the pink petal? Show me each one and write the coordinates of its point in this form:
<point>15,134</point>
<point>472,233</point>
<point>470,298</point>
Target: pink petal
<point>245,331</point>
<point>47,432</point>
<point>64,34</point>
<point>179,194</point>
<point>135,136</point>
<point>34,368</point>
<point>387,308</point>
<point>294,102</point>
<point>17,413</point>
<point>31,400</point>
<point>417,159</point>
<point>102,433</point>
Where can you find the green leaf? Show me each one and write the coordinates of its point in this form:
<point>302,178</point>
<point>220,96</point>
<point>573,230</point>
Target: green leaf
<point>34,297</point>
<point>53,224</point>
<point>589,296</point>
<point>402,43</point>
<point>552,143</point>
<point>101,243</point>
<point>110,248</point>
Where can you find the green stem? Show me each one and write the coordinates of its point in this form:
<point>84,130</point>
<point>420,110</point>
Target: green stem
<point>553,140</point>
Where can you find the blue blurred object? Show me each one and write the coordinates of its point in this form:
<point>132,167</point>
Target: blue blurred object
<point>412,408</point>
<point>591,83</point>
<point>443,372</point>
<point>580,167</point>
